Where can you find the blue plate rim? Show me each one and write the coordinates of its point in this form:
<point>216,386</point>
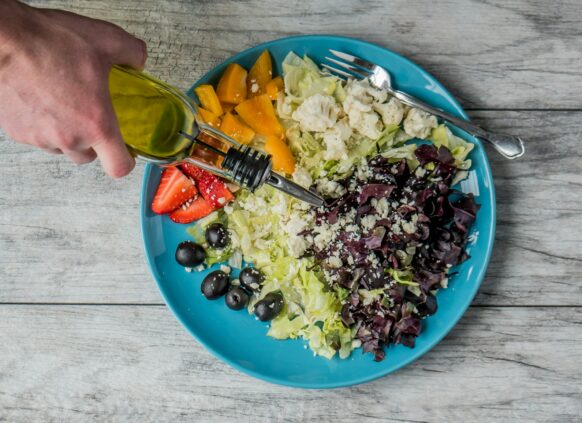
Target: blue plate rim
<point>382,371</point>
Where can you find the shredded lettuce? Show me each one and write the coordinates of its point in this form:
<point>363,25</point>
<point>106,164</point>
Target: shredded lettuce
<point>259,223</point>
<point>460,148</point>
<point>197,232</point>
<point>303,79</point>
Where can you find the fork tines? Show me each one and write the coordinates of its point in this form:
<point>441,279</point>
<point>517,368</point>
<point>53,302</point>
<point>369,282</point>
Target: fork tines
<point>362,68</point>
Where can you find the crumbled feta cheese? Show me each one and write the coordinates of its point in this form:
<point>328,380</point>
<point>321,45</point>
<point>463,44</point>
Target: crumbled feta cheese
<point>225,269</point>
<point>255,204</point>
<point>351,228</point>
<point>235,282</point>
<point>334,262</point>
<point>324,236</point>
<point>420,172</point>
<point>408,227</point>
<point>330,188</point>
<point>396,229</point>
<point>419,124</point>
<point>363,171</point>
<point>295,225</point>
<point>254,87</point>
<point>369,221</point>
<point>317,113</point>
<point>302,177</point>
<point>382,207</point>
<point>391,112</point>
<point>296,246</point>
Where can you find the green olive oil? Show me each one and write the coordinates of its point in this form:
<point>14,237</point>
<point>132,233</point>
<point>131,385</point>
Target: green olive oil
<point>150,113</point>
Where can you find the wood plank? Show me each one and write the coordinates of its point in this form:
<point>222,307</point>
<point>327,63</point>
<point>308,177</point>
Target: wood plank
<point>76,363</point>
<point>495,54</point>
<point>69,234</point>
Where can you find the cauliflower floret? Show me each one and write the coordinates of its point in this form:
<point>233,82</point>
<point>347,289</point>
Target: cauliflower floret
<point>357,97</point>
<point>358,107</point>
<point>302,177</point>
<point>391,112</point>
<point>335,139</point>
<point>370,126</point>
<point>364,92</point>
<point>317,113</point>
<point>419,124</point>
<point>335,148</point>
<point>379,95</point>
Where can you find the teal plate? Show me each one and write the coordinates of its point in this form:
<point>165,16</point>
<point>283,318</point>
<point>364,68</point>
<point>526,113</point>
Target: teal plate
<point>240,340</point>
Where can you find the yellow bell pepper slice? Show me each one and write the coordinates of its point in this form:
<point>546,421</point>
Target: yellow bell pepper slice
<point>208,117</point>
<point>274,87</point>
<point>232,126</point>
<point>232,87</point>
<point>283,160</point>
<point>259,113</point>
<point>208,99</point>
<point>260,74</point>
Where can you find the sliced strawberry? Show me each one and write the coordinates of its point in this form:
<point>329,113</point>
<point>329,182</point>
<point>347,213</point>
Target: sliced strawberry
<point>174,189</point>
<point>210,186</point>
<point>192,171</point>
<point>194,210</point>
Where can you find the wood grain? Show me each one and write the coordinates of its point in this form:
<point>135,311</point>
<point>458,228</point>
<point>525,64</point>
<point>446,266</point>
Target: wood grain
<point>98,345</point>
<point>69,234</point>
<point>135,363</point>
<point>491,54</point>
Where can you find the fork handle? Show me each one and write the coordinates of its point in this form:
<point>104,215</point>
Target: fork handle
<point>508,146</point>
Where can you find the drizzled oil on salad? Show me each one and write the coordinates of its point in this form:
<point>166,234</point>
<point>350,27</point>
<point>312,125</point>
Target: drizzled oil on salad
<point>361,271</point>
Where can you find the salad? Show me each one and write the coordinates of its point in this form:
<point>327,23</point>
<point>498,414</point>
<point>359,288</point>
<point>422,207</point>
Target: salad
<point>363,270</point>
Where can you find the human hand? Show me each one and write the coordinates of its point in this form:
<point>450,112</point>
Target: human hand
<point>54,83</point>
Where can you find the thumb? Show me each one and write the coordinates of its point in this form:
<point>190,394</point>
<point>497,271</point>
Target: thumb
<point>125,49</point>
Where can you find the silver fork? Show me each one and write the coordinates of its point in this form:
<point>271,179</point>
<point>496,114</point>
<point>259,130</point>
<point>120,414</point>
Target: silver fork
<point>508,146</point>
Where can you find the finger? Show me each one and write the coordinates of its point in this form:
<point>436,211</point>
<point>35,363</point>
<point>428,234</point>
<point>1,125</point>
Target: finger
<point>82,157</point>
<point>125,49</point>
<point>114,157</point>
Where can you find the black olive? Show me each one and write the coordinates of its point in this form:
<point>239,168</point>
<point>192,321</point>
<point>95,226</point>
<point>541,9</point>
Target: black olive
<point>190,254</point>
<point>215,285</point>
<point>251,278</point>
<point>269,307</point>
<point>236,298</point>
<point>217,236</point>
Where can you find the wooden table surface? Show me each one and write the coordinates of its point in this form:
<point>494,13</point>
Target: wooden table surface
<point>86,336</point>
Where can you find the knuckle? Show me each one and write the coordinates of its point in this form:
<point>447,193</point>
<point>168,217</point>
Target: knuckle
<point>67,142</point>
